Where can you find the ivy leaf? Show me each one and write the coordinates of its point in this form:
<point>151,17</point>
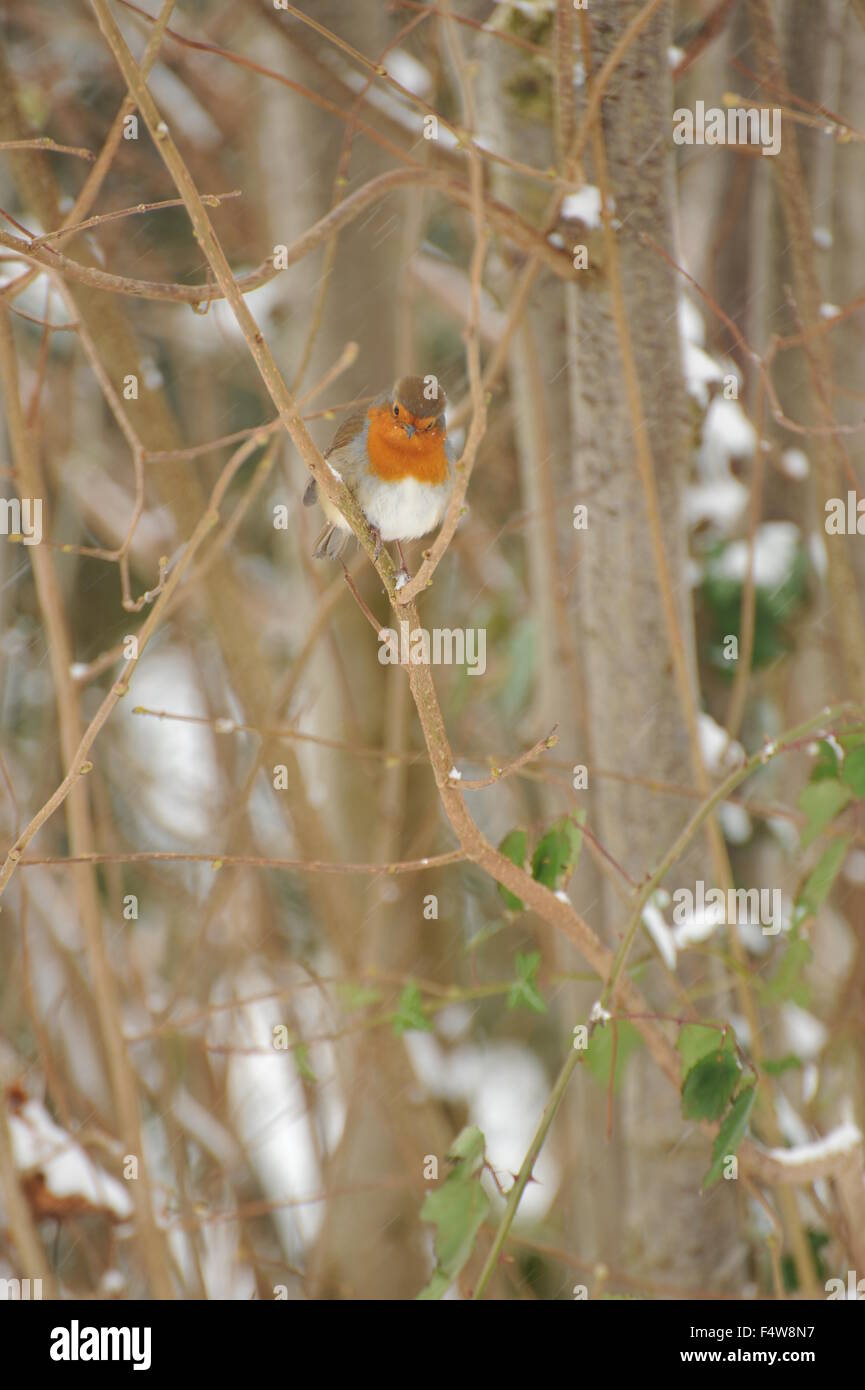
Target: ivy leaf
<point>826,764</point>
<point>819,885</point>
<point>457,1209</point>
<point>787,982</point>
<point>776,1066</point>
<point>410,1013</point>
<point>697,1040</point>
<point>524,991</point>
<point>821,802</point>
<point>731,1134</point>
<point>515,846</point>
<point>557,853</point>
<point>709,1086</point>
<point>853,771</point>
<point>599,1053</point>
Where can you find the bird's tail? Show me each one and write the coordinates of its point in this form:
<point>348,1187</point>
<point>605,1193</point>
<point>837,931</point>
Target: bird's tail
<point>330,543</point>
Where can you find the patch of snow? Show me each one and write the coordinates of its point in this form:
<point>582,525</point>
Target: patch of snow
<point>585,206</point>
<point>598,1014</point>
<point>505,1088</point>
<point>754,939</point>
<point>721,502</point>
<point>656,926</point>
<point>202,334</point>
<point>804,1034</point>
<point>267,1103</point>
<point>455,775</point>
<point>182,109</point>
<point>173,764</point>
<point>829,311</point>
<point>700,371</point>
<point>205,1128</point>
<point>694,572</point>
<point>735,823</point>
<point>692,325</point>
<point>792,1125</point>
<point>408,72</point>
<point>784,831</point>
<point>720,754</point>
<point>775,545</point>
<point>39,1145</point>
<point>844,1139</point>
<point>822,238</point>
<point>698,926</point>
<point>454,1021</point>
<point>727,434</point>
<point>530,8</point>
<point>794,463</point>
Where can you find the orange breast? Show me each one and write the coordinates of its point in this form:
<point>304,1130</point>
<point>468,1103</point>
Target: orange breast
<point>394,456</point>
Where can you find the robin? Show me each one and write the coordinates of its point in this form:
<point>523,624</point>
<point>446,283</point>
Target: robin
<point>395,456</point>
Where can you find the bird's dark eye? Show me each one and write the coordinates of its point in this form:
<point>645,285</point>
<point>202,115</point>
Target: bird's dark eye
<point>396,410</point>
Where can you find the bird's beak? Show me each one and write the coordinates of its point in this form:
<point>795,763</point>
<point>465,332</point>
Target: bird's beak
<point>410,430</point>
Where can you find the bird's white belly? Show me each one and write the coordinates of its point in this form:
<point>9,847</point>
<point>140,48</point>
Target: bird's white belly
<point>405,510</point>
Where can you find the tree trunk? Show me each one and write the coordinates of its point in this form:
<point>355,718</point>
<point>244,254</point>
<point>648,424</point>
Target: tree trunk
<point>651,1218</point>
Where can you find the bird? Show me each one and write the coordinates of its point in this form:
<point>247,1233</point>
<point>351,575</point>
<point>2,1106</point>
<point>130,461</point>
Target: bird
<point>395,456</point>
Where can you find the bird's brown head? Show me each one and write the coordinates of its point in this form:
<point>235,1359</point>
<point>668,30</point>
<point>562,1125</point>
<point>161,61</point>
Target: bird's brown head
<point>419,397</point>
<point>407,433</point>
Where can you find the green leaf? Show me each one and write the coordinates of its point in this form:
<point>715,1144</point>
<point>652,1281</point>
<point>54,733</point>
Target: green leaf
<point>467,1150</point>
<point>354,996</point>
<point>301,1061</point>
<point>815,892</point>
<point>853,771</point>
<point>410,1014</point>
<point>787,982</point>
<point>731,1134</point>
<point>697,1040</point>
<point>599,1053</point>
<point>821,802</point>
<point>557,853</point>
<point>826,764</point>
<point>709,1085</point>
<point>524,992</point>
<point>776,1066</point>
<point>773,609</point>
<point>515,846</point>
<point>457,1209</point>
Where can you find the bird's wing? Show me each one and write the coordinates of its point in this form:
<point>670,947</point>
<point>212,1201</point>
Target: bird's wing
<point>347,432</point>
